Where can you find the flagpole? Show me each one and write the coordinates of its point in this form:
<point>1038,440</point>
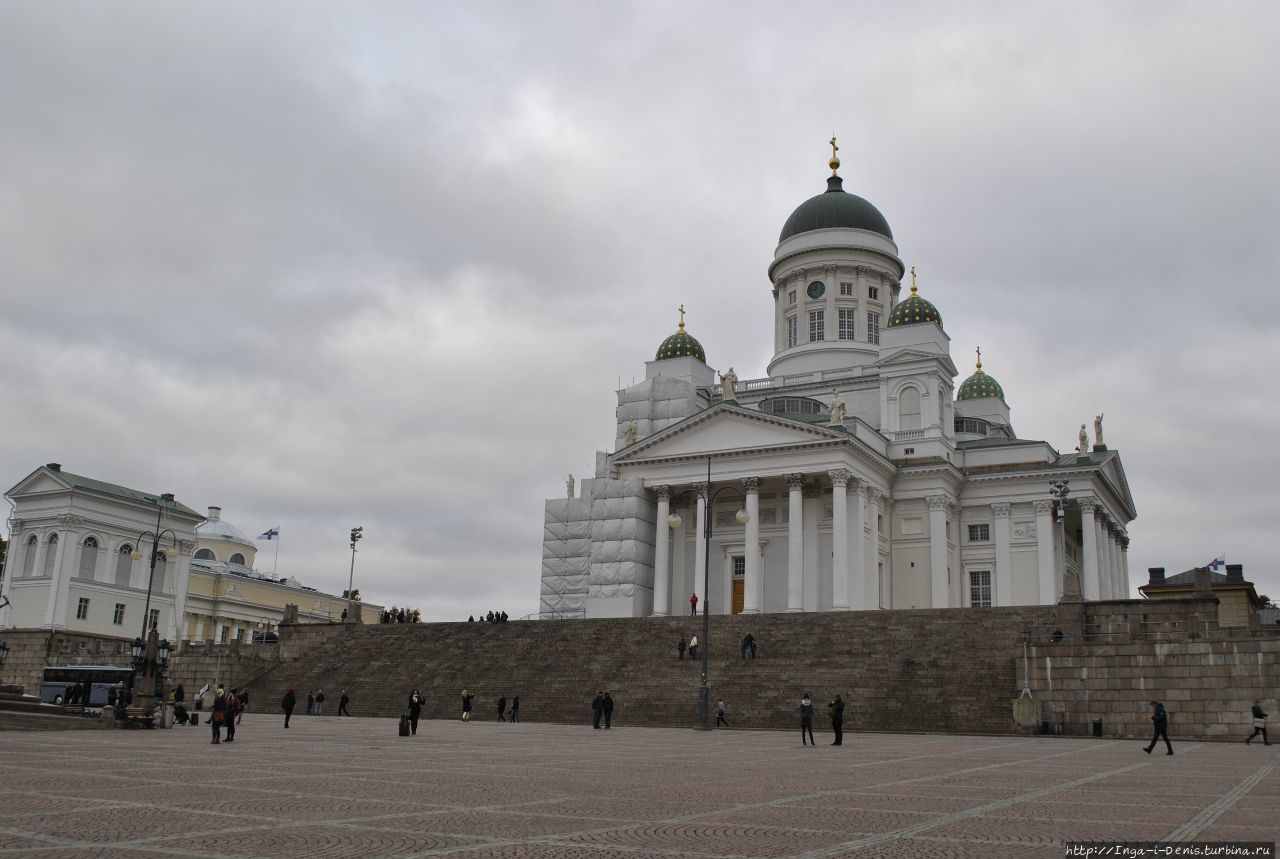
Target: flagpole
<point>275,565</point>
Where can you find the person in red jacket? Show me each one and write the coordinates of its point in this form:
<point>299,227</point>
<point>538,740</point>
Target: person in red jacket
<point>693,603</point>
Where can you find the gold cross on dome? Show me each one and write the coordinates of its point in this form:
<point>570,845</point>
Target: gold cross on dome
<point>682,316</point>
<point>979,359</point>
<point>913,280</point>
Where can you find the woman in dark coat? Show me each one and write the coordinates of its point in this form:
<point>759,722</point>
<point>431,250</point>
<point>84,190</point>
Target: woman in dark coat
<point>288,702</point>
<point>415,710</point>
<point>218,714</point>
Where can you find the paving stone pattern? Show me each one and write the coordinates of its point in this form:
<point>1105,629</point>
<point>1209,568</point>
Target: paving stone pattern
<point>330,787</point>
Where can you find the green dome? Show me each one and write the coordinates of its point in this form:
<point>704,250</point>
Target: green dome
<point>979,385</point>
<point>913,311</point>
<point>681,345</point>
<point>836,208</point>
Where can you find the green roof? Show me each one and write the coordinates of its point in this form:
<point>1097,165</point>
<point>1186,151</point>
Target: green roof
<point>913,311</point>
<point>78,481</point>
<point>835,208</point>
<point>978,386</point>
<point>681,345</point>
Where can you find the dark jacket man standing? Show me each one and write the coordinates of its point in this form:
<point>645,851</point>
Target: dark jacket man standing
<point>287,703</point>
<point>608,710</point>
<point>837,720</point>
<point>597,709</point>
<point>502,708</point>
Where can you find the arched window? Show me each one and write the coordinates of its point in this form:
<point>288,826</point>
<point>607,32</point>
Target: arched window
<point>909,409</point>
<point>124,566</point>
<point>51,555</point>
<point>162,568</point>
<point>204,555</point>
<point>88,558</point>
<point>29,560</point>
<point>237,558</point>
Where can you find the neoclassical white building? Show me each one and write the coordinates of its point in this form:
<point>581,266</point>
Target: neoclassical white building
<point>854,475</point>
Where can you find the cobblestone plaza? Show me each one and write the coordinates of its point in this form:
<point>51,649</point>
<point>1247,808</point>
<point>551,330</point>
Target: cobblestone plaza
<point>331,787</point>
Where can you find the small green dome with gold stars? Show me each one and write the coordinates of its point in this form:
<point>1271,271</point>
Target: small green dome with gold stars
<point>915,309</point>
<point>681,345</point>
<point>979,385</point>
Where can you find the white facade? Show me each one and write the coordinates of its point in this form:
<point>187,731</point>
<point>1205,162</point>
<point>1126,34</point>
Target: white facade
<point>912,495</point>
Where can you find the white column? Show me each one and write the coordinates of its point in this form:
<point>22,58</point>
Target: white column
<point>700,546</point>
<point>751,589</point>
<point>1089,574</point>
<point>198,635</point>
<point>60,581</point>
<point>662,555</point>
<point>1111,585</point>
<point>1004,556</point>
<point>858,550</point>
<point>795,542</point>
<point>1046,571</point>
<point>1117,593</point>
<point>938,550</point>
<point>840,539</point>
<point>1104,556</point>
<point>872,557</point>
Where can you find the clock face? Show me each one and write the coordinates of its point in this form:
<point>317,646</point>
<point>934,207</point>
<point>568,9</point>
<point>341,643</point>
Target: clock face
<point>816,289</point>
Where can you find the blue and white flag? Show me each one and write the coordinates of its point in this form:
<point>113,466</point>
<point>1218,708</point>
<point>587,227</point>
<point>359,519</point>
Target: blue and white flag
<point>270,534</point>
<point>1218,564</point>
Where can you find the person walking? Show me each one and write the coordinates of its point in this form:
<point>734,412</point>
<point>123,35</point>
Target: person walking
<point>806,720</point>
<point>693,603</point>
<point>608,710</point>
<point>597,709</point>
<point>311,703</point>
<point>244,704</point>
<point>720,720</point>
<point>515,710</point>
<point>415,710</point>
<point>1259,724</point>
<point>693,647</point>
<point>749,646</point>
<point>342,704</point>
<point>232,710</point>
<point>320,703</point>
<point>680,646</point>
<point>179,694</point>
<point>1160,724</point>
<point>217,714</point>
<point>287,703</point>
<point>466,705</point>
<point>837,720</point>
<point>502,708</point>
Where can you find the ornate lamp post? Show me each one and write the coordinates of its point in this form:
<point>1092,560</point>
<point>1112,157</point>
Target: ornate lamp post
<point>1059,490</point>
<point>708,499</point>
<point>357,534</point>
<point>150,654</point>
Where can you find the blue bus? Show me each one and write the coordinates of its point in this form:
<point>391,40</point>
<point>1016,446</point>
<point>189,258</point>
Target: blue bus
<point>67,684</point>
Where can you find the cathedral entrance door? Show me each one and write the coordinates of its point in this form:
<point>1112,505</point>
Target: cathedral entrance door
<point>738,591</point>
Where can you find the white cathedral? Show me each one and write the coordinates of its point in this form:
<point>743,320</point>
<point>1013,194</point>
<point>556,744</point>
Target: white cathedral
<point>851,477</point>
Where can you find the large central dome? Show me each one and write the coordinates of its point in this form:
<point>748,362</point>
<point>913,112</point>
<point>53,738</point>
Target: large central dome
<point>835,209</point>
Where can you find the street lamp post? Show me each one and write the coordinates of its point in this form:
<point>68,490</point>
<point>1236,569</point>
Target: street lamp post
<point>708,499</point>
<point>1060,489</point>
<point>150,654</point>
<point>357,534</point>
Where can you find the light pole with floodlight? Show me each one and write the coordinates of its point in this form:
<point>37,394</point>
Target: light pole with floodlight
<point>357,534</point>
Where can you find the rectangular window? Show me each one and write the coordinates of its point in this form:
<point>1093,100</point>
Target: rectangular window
<point>980,589</point>
<point>791,297</point>
<point>222,638</point>
<point>873,293</point>
<point>873,328</point>
<point>791,331</point>
<point>118,617</point>
<point>82,610</point>
<point>817,330</point>
<point>846,323</point>
<point>155,618</point>
<point>739,566</point>
<point>846,288</point>
<point>979,533</point>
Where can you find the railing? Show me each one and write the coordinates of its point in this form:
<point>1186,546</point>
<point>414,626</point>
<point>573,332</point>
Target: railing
<point>908,435</point>
<point>816,377</point>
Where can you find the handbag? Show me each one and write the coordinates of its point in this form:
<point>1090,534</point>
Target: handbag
<point>1259,723</point>
<point>217,717</point>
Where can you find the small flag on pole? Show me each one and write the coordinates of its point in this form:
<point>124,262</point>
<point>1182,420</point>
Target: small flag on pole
<point>1218,563</point>
<point>269,534</point>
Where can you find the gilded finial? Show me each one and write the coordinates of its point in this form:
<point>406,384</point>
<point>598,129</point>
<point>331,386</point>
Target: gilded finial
<point>682,317</point>
<point>834,163</point>
<point>979,370</point>
<point>913,280</point>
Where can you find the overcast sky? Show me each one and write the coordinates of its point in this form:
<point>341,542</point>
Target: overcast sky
<point>385,264</point>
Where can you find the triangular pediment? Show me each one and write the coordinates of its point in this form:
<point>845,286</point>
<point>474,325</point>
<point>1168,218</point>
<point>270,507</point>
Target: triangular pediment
<point>40,480</point>
<point>1113,471</point>
<point>722,428</point>
<point>907,355</point>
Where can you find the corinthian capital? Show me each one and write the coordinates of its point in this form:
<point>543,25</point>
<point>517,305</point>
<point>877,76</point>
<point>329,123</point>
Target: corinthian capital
<point>795,481</point>
<point>840,476</point>
<point>1000,511</point>
<point>70,520</point>
<point>1043,508</point>
<point>663,492</point>
<point>938,502</point>
<point>751,484</point>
